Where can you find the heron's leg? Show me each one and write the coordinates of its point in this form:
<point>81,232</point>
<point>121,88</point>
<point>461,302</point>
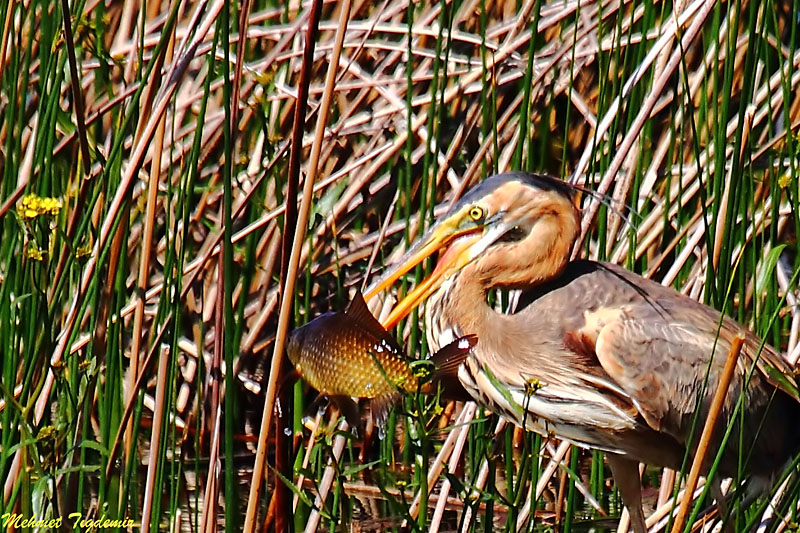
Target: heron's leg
<point>720,500</point>
<point>626,477</point>
<point>719,497</point>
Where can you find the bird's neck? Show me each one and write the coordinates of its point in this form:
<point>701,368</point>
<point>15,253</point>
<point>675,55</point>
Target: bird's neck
<point>469,309</point>
<point>462,301</point>
<point>460,306</point>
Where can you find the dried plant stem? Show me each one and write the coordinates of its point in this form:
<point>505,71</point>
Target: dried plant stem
<point>297,245</point>
<point>327,478</point>
<point>75,83</point>
<point>463,422</point>
<point>155,438</point>
<point>708,430</point>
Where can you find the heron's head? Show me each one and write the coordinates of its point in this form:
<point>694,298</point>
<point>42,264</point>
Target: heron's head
<point>512,230</point>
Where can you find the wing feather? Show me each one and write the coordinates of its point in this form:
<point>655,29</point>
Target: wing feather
<point>668,365</point>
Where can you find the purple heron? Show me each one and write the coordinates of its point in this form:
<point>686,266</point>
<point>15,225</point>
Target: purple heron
<point>594,354</point>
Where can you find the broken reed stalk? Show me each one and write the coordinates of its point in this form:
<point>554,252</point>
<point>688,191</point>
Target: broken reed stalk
<point>299,231</point>
<point>288,270</point>
<point>708,430</point>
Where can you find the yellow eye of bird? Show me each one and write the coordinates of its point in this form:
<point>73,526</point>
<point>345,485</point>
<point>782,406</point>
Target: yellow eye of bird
<point>476,213</point>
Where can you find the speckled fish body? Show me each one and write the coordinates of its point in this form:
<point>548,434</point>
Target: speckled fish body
<point>350,354</point>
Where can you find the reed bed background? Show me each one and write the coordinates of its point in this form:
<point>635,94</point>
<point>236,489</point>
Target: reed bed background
<point>149,156</point>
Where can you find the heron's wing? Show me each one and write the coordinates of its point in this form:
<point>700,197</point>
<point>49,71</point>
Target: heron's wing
<point>665,363</point>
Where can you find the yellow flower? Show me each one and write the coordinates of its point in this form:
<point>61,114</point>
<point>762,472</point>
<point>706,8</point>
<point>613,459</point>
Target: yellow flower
<point>784,181</point>
<point>531,386</point>
<point>34,253</point>
<point>33,206</point>
<point>51,205</point>
<point>83,251</point>
<point>47,432</point>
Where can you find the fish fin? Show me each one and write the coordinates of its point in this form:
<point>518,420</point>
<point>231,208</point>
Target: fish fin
<point>357,310</point>
<point>447,361</point>
<point>449,358</point>
<point>350,411</point>
<point>288,379</point>
<point>381,405</point>
<point>319,405</point>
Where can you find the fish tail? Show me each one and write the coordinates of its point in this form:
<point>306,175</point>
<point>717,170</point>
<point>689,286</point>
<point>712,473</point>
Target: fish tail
<point>449,358</point>
<point>447,361</point>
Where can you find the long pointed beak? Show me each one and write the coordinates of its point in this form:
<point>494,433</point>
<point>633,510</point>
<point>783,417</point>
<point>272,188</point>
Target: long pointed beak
<point>442,234</point>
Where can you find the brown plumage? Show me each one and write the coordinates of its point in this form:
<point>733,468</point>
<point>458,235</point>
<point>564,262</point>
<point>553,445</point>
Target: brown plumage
<point>594,353</point>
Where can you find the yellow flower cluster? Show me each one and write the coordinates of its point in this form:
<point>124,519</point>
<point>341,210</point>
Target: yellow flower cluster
<point>34,253</point>
<point>47,432</point>
<point>33,206</point>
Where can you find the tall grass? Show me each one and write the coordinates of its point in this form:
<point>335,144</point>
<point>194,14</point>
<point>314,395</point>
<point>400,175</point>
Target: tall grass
<point>139,287</point>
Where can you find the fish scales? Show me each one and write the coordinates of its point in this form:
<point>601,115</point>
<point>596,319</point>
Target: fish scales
<point>341,357</point>
<point>351,354</point>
